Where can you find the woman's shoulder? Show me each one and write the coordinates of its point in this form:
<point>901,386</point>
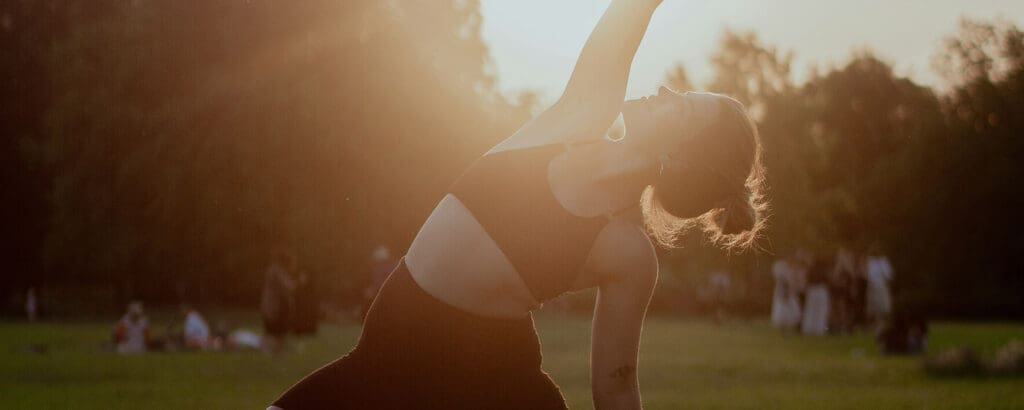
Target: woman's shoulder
<point>560,124</point>
<point>623,248</point>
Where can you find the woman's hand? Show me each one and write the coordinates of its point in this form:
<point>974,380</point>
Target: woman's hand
<point>654,3</point>
<point>593,97</point>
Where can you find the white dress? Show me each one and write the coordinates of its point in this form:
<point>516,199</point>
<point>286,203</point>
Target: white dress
<point>879,299</point>
<point>815,320</point>
<point>785,304</point>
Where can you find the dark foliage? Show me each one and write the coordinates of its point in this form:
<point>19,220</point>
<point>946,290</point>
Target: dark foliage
<point>161,149</point>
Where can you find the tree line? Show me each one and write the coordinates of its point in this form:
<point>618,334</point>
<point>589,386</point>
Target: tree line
<point>160,150</point>
<point>860,156</point>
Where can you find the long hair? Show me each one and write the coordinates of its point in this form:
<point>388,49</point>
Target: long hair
<point>719,188</point>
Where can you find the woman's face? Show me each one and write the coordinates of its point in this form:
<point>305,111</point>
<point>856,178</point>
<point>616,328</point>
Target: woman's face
<point>663,121</point>
<point>652,116</point>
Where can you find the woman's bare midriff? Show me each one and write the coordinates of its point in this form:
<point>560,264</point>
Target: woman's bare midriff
<point>456,261</point>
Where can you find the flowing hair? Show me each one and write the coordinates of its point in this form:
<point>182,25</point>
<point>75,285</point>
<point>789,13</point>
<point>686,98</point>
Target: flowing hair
<point>724,181</point>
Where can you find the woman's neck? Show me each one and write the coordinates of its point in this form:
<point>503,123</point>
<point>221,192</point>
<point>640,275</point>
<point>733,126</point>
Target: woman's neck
<point>621,174</point>
<point>599,179</point>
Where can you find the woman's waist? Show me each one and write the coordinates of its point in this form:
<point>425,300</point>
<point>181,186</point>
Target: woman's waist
<point>476,284</point>
<point>454,259</point>
<point>407,324</point>
<point>403,296</point>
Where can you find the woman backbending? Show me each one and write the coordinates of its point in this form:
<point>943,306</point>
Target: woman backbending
<point>557,207</point>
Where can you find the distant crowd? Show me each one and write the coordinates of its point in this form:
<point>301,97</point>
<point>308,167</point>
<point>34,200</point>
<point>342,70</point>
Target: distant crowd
<point>288,306</point>
<point>813,295</point>
<point>133,334</point>
<point>836,294</point>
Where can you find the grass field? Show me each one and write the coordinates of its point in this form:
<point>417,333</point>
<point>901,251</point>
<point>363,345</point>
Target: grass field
<point>684,364</point>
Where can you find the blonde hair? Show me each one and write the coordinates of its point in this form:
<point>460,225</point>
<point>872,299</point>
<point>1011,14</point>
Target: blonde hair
<point>733,221</point>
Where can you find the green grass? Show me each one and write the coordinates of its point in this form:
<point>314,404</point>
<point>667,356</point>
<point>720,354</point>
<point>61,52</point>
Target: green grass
<point>684,364</point>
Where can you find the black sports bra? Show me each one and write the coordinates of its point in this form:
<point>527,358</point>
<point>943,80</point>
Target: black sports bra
<point>509,194</point>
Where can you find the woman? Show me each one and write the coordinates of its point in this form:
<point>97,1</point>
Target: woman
<point>786,309</point>
<point>878,272</point>
<point>554,208</point>
<point>842,291</point>
<point>817,300</point>
<point>278,300</point>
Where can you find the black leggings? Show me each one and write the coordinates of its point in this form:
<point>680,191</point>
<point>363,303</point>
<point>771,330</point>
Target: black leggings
<point>417,352</point>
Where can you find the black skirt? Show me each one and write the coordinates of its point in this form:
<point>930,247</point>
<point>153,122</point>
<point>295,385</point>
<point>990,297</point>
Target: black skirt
<point>417,352</point>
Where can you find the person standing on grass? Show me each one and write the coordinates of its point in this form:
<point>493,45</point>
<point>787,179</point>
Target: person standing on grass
<point>383,265</point>
<point>879,273</point>
<point>719,284</point>
<point>31,304</point>
<point>557,207</point>
<point>305,312</point>
<point>816,302</point>
<point>786,310</point>
<point>277,299</point>
<point>842,291</point>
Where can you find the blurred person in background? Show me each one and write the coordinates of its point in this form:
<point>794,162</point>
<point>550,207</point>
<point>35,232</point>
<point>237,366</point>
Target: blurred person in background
<point>556,207</point>
<point>277,300</point>
<point>383,264</point>
<point>903,333</point>
<point>878,272</point>
<point>131,333</point>
<point>816,301</point>
<point>196,331</point>
<point>306,307</point>
<point>719,283</point>
<point>31,304</point>
<point>786,311</point>
<point>842,290</point>
<point>858,303</point>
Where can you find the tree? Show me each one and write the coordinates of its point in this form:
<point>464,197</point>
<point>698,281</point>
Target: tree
<point>183,153</point>
<point>677,79</point>
<point>750,71</point>
<point>25,94</point>
<point>975,251</point>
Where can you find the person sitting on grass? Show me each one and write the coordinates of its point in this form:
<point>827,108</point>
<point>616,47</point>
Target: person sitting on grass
<point>557,207</point>
<point>196,332</point>
<point>131,333</point>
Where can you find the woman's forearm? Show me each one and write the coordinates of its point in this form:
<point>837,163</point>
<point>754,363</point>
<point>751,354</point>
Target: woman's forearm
<point>602,70</point>
<point>617,395</point>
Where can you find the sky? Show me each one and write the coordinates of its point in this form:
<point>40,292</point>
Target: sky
<point>534,43</point>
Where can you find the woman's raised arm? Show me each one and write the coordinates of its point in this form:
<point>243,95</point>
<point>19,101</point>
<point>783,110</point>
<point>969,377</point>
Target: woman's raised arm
<point>594,95</point>
<point>598,82</point>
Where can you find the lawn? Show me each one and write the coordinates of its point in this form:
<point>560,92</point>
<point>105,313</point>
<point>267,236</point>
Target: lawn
<point>684,364</point>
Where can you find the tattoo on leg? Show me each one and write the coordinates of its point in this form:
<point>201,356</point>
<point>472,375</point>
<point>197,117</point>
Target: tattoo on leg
<point>623,372</point>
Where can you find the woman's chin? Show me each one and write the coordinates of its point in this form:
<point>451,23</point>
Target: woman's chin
<point>632,120</point>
